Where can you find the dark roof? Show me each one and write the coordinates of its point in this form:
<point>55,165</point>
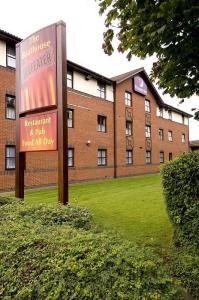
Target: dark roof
<point>6,36</point>
<point>124,76</point>
<point>194,143</point>
<point>141,71</point>
<point>88,72</point>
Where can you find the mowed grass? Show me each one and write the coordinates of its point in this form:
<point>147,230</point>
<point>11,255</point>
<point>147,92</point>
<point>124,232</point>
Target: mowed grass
<point>133,207</point>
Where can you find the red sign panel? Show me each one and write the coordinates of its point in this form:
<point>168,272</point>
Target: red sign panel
<point>38,70</point>
<point>38,132</point>
<point>140,86</point>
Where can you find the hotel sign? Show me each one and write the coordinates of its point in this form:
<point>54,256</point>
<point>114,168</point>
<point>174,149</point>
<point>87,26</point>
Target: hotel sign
<point>41,102</point>
<point>140,86</point>
<point>38,70</point>
<point>38,132</point>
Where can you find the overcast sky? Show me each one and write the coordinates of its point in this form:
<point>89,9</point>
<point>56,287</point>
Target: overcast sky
<point>84,38</point>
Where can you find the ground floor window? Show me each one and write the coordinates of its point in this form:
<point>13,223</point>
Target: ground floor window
<point>102,157</point>
<point>10,157</point>
<point>129,157</point>
<point>170,156</point>
<point>148,157</point>
<point>70,157</point>
<point>161,157</point>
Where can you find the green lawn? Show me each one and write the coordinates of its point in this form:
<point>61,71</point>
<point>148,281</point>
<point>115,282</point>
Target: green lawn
<point>133,207</point>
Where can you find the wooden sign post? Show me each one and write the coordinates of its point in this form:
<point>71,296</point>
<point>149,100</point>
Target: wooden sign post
<point>41,102</point>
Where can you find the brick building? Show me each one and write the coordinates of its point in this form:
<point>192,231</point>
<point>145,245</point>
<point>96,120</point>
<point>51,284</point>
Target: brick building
<point>117,127</point>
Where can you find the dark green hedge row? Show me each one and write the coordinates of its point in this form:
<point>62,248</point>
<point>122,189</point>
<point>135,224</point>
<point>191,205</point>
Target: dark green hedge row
<point>181,190</point>
<point>185,263</point>
<point>55,252</point>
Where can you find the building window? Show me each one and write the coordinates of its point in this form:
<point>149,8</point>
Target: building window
<point>147,106</point>
<point>161,157</point>
<point>128,99</point>
<point>170,115</point>
<point>70,157</point>
<point>101,90</point>
<point>160,112</point>
<point>10,157</point>
<point>170,136</point>
<point>101,123</point>
<point>183,138</point>
<point>102,157</point>
<point>170,156</point>
<point>10,107</point>
<point>148,131</point>
<point>128,128</point>
<point>69,79</point>
<point>11,56</point>
<point>161,134</point>
<point>183,119</point>
<point>148,157</point>
<point>129,157</point>
<point>70,117</point>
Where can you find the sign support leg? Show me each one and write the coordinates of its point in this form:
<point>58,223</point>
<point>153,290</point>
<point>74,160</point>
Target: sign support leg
<point>62,114</point>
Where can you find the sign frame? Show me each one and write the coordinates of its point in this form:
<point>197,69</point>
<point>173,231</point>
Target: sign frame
<point>62,129</point>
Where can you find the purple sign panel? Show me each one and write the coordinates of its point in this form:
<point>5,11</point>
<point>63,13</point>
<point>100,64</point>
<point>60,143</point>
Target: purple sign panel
<point>140,86</point>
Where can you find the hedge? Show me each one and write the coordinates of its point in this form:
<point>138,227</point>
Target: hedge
<point>55,252</point>
<point>181,190</point>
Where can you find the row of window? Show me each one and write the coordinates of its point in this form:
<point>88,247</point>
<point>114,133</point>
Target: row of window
<point>101,87</point>
<point>101,157</point>
<point>148,132</point>
<point>128,101</point>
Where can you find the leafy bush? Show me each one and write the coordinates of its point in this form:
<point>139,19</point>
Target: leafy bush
<point>44,254</point>
<point>4,201</point>
<point>186,268</point>
<point>181,189</point>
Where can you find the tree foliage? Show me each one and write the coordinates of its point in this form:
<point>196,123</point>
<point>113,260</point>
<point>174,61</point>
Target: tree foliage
<point>167,28</point>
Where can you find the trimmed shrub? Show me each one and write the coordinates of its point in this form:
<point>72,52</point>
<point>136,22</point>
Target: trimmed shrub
<point>186,268</point>
<point>45,255</point>
<point>181,190</point>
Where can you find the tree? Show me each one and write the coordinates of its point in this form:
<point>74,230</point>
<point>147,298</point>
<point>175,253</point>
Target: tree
<point>167,28</point>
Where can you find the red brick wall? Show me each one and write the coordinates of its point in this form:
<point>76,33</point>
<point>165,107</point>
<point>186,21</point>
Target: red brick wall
<point>139,141</point>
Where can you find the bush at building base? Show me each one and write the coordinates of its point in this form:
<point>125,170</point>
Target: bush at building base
<point>181,190</point>
<point>46,253</point>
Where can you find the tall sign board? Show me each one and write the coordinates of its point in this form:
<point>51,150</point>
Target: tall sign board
<point>41,102</point>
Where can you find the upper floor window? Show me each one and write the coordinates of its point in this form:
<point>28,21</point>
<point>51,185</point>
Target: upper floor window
<point>170,115</point>
<point>10,107</point>
<point>161,157</point>
<point>183,138</point>
<point>69,79</point>
<point>148,131</point>
<point>70,117</point>
<point>183,119</point>
<point>101,90</point>
<point>101,123</point>
<point>10,157</point>
<point>102,157</point>
<point>148,157</point>
<point>170,136</point>
<point>129,157</point>
<point>128,128</point>
<point>160,112</point>
<point>161,134</point>
<point>128,99</point>
<point>70,157</point>
<point>11,56</point>
<point>147,106</point>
